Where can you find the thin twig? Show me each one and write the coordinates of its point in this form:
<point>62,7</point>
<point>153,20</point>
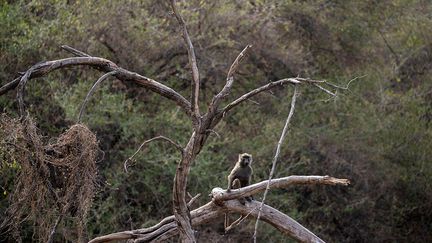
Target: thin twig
<point>192,60</point>
<point>325,90</point>
<point>308,80</point>
<point>239,220</point>
<point>91,91</point>
<point>125,164</point>
<point>347,86</point>
<point>54,229</point>
<point>259,90</point>
<point>213,131</point>
<point>193,199</point>
<point>74,51</point>
<point>235,64</point>
<point>396,56</point>
<point>275,159</point>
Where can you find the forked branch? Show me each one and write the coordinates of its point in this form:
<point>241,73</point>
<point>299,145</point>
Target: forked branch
<point>224,202</point>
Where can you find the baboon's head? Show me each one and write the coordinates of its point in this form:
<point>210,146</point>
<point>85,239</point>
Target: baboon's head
<point>245,159</point>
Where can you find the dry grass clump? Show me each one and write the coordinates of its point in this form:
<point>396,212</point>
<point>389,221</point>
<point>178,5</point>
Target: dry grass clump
<point>57,180</point>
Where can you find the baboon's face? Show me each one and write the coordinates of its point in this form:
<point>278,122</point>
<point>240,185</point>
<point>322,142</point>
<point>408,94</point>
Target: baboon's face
<point>245,160</point>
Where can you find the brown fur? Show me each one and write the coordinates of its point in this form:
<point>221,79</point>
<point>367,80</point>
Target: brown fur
<point>240,176</point>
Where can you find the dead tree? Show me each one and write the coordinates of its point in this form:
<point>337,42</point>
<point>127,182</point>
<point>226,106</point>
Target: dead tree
<point>183,220</point>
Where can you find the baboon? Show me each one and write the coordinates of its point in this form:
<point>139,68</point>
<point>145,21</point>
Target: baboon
<point>240,176</point>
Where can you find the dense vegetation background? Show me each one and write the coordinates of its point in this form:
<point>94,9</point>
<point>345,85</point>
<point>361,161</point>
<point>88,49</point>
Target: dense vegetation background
<point>378,133</point>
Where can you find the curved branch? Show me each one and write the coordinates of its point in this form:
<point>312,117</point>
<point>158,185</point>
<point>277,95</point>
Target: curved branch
<point>224,202</point>
<point>91,91</point>
<point>192,60</point>
<point>105,65</point>
<point>176,145</point>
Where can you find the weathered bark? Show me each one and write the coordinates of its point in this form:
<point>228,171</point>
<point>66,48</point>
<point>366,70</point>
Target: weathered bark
<point>105,65</point>
<point>227,202</point>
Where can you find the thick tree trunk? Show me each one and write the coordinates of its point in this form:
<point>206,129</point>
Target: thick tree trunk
<point>181,210</point>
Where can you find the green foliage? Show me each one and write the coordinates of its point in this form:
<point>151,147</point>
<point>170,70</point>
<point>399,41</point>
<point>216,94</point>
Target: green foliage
<point>377,133</point>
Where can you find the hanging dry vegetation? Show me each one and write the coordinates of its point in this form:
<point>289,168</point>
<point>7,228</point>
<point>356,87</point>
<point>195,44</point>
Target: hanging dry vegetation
<point>57,180</point>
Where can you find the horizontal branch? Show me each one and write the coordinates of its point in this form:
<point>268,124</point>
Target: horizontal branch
<point>224,202</point>
<point>105,65</point>
<point>220,194</point>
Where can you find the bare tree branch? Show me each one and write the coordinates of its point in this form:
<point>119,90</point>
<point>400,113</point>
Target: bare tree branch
<point>235,64</point>
<point>259,90</point>
<point>91,91</point>
<point>192,60</point>
<point>181,209</point>
<point>9,86</point>
<point>44,68</point>
<point>239,221</point>
<point>229,81</point>
<point>220,194</point>
<point>281,82</point>
<point>193,199</point>
<point>74,51</point>
<point>348,84</point>
<point>324,89</point>
<point>176,145</point>
<point>145,234</point>
<point>13,84</point>
<point>276,156</point>
<point>276,218</point>
<point>224,202</point>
